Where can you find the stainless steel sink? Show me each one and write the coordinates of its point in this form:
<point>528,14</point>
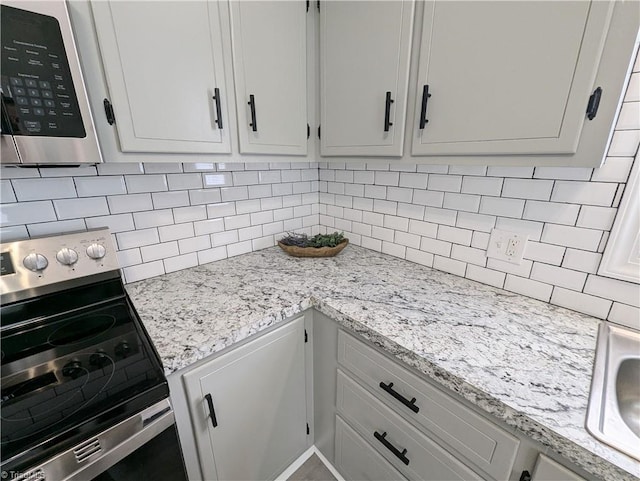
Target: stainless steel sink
<point>613,415</point>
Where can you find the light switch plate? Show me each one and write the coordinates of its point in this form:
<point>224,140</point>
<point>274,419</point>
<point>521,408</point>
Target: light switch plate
<point>507,246</point>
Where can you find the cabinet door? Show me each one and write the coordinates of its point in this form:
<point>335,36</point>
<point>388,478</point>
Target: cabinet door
<point>163,64</point>
<point>269,60</point>
<point>364,68</point>
<point>548,470</point>
<point>507,77</point>
<point>257,394</point>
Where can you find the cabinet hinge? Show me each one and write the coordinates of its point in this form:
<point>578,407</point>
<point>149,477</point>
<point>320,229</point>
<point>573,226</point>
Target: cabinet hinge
<point>318,3</point>
<point>307,429</point>
<point>525,476</point>
<point>308,131</point>
<point>318,131</point>
<point>306,337</point>
<point>108,110</point>
<point>307,5</point>
<point>594,103</point>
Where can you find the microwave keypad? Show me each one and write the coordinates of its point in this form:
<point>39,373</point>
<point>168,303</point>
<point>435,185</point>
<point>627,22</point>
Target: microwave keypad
<point>37,87</point>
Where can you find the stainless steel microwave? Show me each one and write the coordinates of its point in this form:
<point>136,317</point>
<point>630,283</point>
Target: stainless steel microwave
<point>45,110</point>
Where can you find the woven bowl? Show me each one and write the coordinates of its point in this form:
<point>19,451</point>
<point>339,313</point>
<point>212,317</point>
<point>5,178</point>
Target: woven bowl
<point>296,251</point>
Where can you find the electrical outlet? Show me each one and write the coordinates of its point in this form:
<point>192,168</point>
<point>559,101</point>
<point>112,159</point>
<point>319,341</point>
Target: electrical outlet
<point>507,246</point>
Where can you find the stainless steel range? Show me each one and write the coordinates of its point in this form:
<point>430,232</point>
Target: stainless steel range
<point>83,388</point>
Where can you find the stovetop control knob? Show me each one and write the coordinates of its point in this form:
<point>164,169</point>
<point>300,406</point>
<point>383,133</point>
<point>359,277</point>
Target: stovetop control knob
<point>99,359</point>
<point>122,349</point>
<point>67,256</point>
<point>35,262</point>
<point>73,369</point>
<point>96,251</point>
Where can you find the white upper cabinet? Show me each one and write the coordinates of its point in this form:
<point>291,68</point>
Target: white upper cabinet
<point>507,78</point>
<point>164,69</point>
<point>269,44</point>
<point>364,68</point>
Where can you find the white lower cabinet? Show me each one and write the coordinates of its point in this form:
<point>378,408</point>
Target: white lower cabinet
<point>548,470</point>
<point>248,407</point>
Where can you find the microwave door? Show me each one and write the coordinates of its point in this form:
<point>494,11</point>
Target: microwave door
<point>8,149</point>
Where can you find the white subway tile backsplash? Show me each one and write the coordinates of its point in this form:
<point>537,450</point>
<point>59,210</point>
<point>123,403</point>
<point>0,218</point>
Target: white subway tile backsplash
<point>361,229</point>
<point>554,212</point>
<point>103,185</point>
<point>69,171</point>
<point>387,178</point>
<point>177,263</point>
<point>143,271</point>
<point>468,169</point>
<point>263,242</point>
<point>382,233</point>
<point>633,89</point>
<point>271,203</point>
<point>129,257</point>
<point>563,173</point>
<point>510,171</point>
<point>59,227</point>
<point>624,143</point>
<point>211,255</point>
<point>399,194</point>
<point>393,249</point>
<point>521,270</point>
<point>234,193</point>
<point>547,253</point>
<point>596,217</point>
<point>234,166</point>
<point>440,216</point>
<point>177,231</point>
<point>588,193</point>
<point>285,213</point>
<point>13,233</point>
<point>137,238</point>
<point>251,177</point>
<point>582,260</point>
<point>428,197</point>
<point>469,255</point>
<point>208,226</point>
<point>6,192</point>
<point>396,223</point>
<point>184,181</point>
<point>115,168</point>
<point>137,184</point>
<point>618,198</point>
<point>480,240</point>
<point>411,211</point>
<point>481,222</point>
<point>486,276</point>
<point>455,235</point>
<point>356,190</point>
<point>282,189</point>
<point>120,204</point>
<point>237,221</point>
<point>402,167</point>
<point>624,314</point>
<point>414,181</point>
<point>373,244</point>
<point>193,244</point>
<point>577,237</point>
<point>14,172</point>
<point>427,229</point>
<point>463,202</point>
<point>153,218</point>
<point>433,169</point>
<point>115,223</point>
<point>558,276</point>
<point>373,165</point>
<point>614,169</point>
<point>219,179</point>
<point>224,238</point>
<point>435,246</point>
<point>419,257</point>
<point>621,291</point>
<point>43,189</point>
<point>527,189</point>
<point>222,210</point>
<point>406,239</point>
<point>259,191</point>
<point>189,214</point>
<point>594,306</point>
<point>446,183</point>
<point>202,196</point>
<point>239,248</point>
<point>385,206</point>
<point>78,208</point>
<point>528,287</point>
<point>345,176</point>
<point>162,167</point>
<point>447,264</point>
<point>375,191</point>
<point>502,207</point>
<point>269,177</point>
<point>482,185</point>
<point>527,227</point>
<point>293,175</point>
<point>159,251</point>
<point>629,118</point>
<point>359,176</point>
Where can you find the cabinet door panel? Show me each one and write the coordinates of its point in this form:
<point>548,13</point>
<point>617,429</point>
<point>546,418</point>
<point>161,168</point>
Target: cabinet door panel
<point>548,470</point>
<point>364,53</point>
<point>269,58</point>
<point>162,77</point>
<point>258,395</point>
<point>507,77</point>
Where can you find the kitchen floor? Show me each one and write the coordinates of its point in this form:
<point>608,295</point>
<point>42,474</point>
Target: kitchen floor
<point>312,470</point>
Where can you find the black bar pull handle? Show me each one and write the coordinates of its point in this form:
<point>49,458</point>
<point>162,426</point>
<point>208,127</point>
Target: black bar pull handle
<point>410,404</point>
<point>423,111</point>
<point>594,103</point>
<point>387,112</point>
<point>252,105</point>
<point>216,97</point>
<point>212,412</point>
<point>397,453</point>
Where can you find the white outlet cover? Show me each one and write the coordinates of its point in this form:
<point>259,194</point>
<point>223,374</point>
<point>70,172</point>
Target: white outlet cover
<point>507,246</point>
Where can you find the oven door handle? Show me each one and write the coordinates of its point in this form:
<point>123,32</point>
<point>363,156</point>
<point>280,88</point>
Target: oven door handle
<point>212,411</point>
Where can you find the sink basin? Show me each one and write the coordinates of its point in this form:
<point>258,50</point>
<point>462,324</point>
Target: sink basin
<point>613,415</point>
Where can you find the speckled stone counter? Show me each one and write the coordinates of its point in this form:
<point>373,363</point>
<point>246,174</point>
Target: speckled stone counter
<point>525,362</point>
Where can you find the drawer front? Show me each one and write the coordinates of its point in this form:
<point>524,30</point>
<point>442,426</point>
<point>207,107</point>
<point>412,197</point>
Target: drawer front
<point>406,448</point>
<point>484,444</point>
<point>356,460</point>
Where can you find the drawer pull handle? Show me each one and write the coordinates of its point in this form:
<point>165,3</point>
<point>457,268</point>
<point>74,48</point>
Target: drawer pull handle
<point>212,411</point>
<point>216,98</point>
<point>423,111</point>
<point>387,111</point>
<point>252,106</point>
<point>397,453</point>
<point>410,404</point>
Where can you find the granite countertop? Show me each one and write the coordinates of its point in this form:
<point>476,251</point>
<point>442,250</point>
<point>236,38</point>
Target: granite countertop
<point>523,361</point>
